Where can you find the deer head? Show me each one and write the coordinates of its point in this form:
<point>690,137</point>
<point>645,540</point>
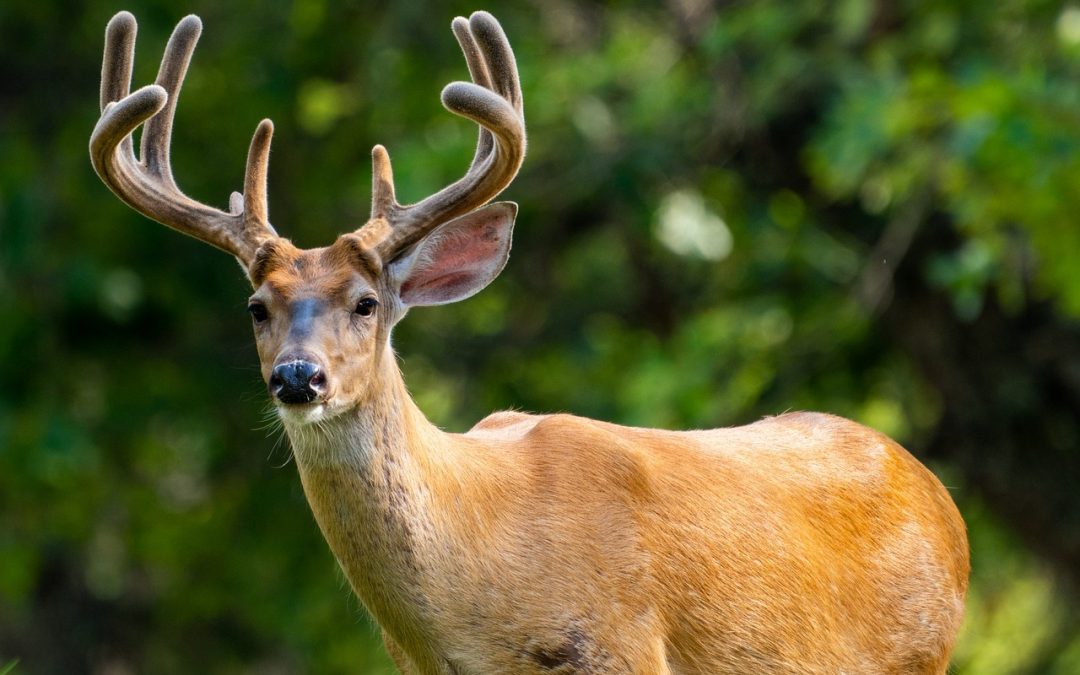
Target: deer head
<point>322,317</point>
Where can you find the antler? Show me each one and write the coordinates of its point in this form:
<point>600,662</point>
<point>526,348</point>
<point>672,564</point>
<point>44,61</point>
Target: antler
<point>493,100</point>
<point>146,184</point>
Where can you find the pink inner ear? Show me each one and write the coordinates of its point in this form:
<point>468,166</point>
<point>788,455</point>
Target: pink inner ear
<point>460,259</point>
<point>426,286</point>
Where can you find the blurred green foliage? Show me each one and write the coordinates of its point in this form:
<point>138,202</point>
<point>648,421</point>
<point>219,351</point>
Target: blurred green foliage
<point>729,209</point>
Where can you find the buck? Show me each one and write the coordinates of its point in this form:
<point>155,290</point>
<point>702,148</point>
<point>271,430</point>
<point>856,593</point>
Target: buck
<point>802,543</point>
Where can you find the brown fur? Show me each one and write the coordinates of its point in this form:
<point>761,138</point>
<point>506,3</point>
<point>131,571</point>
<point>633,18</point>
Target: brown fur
<point>802,543</point>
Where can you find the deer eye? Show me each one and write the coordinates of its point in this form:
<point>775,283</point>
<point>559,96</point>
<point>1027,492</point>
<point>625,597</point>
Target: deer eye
<point>258,312</point>
<point>366,306</point>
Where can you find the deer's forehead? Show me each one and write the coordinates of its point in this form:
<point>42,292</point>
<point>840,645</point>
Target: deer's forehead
<point>332,285</point>
<point>326,272</point>
<point>310,277</point>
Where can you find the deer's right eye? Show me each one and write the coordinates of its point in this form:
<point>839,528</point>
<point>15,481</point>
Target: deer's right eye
<point>258,312</point>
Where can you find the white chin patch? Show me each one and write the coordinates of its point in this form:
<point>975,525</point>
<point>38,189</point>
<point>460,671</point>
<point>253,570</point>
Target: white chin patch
<point>302,414</point>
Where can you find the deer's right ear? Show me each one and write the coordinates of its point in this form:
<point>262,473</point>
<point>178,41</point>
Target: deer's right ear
<point>459,258</point>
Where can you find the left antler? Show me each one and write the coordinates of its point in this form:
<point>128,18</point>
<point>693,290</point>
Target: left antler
<point>146,183</point>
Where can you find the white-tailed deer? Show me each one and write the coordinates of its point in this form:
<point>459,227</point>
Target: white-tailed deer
<point>802,543</point>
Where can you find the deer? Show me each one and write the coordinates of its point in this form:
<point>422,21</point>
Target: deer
<point>531,543</point>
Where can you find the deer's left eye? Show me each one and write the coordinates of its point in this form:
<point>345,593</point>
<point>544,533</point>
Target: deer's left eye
<point>366,307</point>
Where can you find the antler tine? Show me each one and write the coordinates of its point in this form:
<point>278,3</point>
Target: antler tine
<point>479,73</point>
<point>498,57</point>
<point>492,100</point>
<point>383,199</point>
<point>147,185</point>
<point>157,133</point>
<point>117,63</point>
<point>258,164</point>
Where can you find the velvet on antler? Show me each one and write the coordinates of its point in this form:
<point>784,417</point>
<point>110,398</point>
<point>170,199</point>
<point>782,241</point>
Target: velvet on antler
<point>146,183</point>
<point>492,100</point>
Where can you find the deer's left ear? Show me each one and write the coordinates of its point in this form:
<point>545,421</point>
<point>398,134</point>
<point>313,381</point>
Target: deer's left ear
<point>459,258</point>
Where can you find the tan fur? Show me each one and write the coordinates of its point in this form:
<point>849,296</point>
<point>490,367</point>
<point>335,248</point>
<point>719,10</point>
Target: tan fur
<point>802,543</point>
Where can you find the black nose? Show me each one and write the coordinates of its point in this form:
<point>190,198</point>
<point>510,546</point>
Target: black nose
<point>297,382</point>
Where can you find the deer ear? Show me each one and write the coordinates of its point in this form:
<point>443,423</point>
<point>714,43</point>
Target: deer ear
<point>459,258</point>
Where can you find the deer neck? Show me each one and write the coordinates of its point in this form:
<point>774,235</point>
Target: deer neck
<point>368,475</point>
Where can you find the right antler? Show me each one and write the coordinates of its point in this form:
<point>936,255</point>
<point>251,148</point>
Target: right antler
<point>493,100</point>
<point>146,184</point>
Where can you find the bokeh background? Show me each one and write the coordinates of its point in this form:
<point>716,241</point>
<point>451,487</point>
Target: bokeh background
<point>728,210</point>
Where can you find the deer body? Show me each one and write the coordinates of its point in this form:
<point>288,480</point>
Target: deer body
<point>539,544</point>
<point>802,543</point>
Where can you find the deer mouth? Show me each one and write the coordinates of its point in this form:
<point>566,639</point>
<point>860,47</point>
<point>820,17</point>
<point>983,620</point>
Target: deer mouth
<point>302,414</point>
<point>325,406</point>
